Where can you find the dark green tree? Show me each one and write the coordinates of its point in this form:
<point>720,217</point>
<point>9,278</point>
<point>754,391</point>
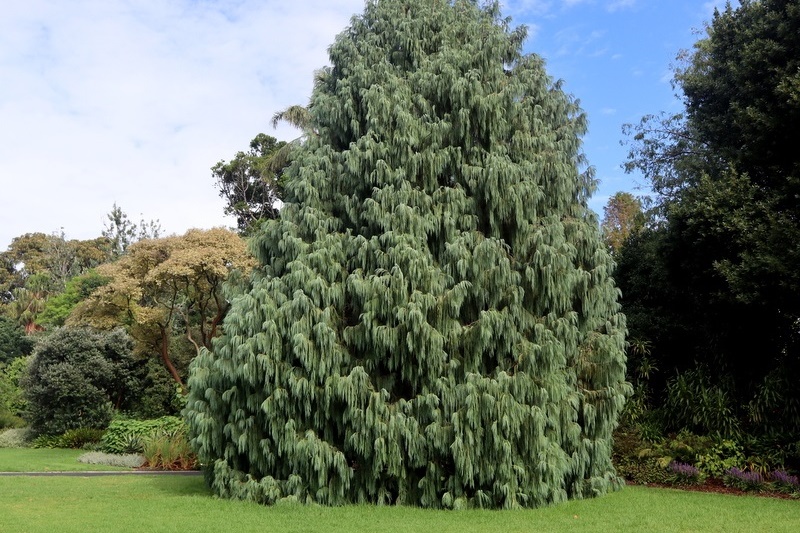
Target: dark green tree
<point>434,320</point>
<point>727,175</point>
<point>250,183</point>
<point>13,341</point>
<point>77,377</point>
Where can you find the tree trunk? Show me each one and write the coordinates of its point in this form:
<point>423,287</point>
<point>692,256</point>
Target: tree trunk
<point>166,359</point>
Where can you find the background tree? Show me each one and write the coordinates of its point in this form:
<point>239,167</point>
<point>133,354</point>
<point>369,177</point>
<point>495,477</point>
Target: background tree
<point>726,306</point>
<point>13,342</point>
<point>250,183</point>
<point>121,232</point>
<point>12,400</point>
<point>168,287</point>
<point>37,266</point>
<point>26,256</point>
<point>75,379</point>
<point>57,308</point>
<point>622,216</point>
<point>29,301</point>
<point>434,320</point>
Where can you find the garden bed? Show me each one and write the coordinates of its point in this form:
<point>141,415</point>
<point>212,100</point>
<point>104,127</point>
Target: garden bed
<point>716,486</point>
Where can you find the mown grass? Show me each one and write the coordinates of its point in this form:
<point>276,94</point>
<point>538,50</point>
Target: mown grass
<point>151,503</point>
<point>45,460</point>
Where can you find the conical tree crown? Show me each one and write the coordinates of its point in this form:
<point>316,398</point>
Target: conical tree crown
<point>434,321</point>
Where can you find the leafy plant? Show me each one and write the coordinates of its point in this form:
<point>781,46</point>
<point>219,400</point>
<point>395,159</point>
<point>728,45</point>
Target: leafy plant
<point>694,403</point>
<point>12,400</point>
<point>722,457</point>
<point>169,450</point>
<point>81,437</point>
<point>127,435</point>
<point>7,420</point>
<point>47,441</point>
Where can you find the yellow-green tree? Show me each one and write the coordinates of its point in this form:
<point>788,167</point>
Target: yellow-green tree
<point>166,287</point>
<point>622,216</point>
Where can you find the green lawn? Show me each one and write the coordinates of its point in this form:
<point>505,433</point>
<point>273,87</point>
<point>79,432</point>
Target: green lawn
<point>149,503</point>
<point>45,460</point>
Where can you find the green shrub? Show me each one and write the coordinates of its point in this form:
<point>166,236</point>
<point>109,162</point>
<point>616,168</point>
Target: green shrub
<point>47,441</point>
<point>15,438</point>
<point>12,400</point>
<point>645,471</point>
<point>720,458</point>
<point>694,403</point>
<point>81,437</point>
<point>670,461</point>
<point>127,435</point>
<point>73,376</point>
<point>8,420</point>
<point>632,459</point>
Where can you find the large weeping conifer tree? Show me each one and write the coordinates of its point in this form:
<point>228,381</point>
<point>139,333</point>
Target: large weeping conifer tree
<point>433,321</point>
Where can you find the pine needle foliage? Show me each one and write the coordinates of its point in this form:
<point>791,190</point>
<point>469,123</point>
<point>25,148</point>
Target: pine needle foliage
<point>434,321</point>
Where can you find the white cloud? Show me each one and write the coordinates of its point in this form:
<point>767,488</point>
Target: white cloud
<point>617,5</point>
<point>107,101</point>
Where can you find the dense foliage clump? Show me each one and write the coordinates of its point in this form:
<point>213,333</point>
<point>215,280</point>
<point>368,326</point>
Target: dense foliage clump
<point>433,321</point>
<point>713,283</point>
<point>77,377</point>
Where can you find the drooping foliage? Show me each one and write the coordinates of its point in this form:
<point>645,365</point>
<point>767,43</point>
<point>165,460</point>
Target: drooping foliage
<point>433,321</point>
<point>715,285</point>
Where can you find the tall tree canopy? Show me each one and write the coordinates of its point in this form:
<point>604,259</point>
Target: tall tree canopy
<point>433,321</point>
<point>36,265</point>
<point>165,286</point>
<point>726,249</point>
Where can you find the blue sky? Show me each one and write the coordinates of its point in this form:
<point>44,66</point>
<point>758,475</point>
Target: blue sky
<point>132,101</point>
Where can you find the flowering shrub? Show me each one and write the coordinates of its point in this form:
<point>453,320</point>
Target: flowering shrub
<point>785,482</point>
<point>741,479</point>
<point>685,474</point>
